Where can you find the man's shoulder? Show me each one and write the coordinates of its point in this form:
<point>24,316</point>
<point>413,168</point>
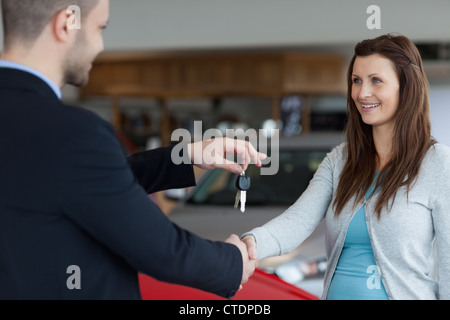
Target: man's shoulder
<point>65,119</point>
<point>80,115</point>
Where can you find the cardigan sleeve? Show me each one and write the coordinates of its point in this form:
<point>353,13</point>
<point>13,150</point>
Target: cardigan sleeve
<point>441,220</point>
<point>287,231</point>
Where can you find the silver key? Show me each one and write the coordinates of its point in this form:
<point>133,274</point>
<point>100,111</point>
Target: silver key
<point>243,200</point>
<point>238,198</point>
<point>242,185</point>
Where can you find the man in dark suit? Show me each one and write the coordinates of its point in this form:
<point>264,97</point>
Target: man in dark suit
<point>75,218</point>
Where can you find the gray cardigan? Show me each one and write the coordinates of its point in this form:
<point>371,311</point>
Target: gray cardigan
<point>402,239</point>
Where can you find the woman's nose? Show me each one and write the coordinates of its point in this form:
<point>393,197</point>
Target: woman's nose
<point>365,92</point>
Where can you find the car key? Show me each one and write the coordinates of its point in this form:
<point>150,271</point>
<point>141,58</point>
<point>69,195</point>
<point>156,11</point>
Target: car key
<point>238,193</point>
<point>242,186</point>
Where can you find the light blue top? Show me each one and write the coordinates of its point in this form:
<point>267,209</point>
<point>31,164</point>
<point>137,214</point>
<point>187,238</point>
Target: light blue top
<point>357,275</point>
<point>13,65</point>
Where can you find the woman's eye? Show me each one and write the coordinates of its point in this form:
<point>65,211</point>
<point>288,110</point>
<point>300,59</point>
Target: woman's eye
<point>376,80</point>
<point>356,80</point>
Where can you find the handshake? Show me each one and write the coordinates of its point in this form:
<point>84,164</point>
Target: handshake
<point>211,154</point>
<point>247,246</point>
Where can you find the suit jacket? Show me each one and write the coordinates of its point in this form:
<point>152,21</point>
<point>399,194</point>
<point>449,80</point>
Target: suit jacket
<point>76,221</point>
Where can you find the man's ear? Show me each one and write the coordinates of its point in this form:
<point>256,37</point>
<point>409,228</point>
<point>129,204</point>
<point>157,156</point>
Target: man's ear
<point>60,27</point>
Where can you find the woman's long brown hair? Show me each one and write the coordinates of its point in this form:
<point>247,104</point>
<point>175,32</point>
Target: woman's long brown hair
<point>412,132</point>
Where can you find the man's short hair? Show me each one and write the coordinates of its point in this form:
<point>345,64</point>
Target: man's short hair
<point>24,20</point>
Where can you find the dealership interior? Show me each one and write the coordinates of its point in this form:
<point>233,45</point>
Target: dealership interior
<point>168,64</point>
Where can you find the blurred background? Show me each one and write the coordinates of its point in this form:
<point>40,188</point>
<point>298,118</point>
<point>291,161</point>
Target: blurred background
<point>249,64</point>
<point>241,63</point>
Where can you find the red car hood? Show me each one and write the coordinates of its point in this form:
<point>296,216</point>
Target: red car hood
<point>261,286</point>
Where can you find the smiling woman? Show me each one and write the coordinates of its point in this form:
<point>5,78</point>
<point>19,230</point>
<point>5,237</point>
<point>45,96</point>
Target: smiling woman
<point>375,90</point>
<point>387,96</point>
<point>384,194</point>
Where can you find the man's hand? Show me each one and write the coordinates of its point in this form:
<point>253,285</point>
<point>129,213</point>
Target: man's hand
<point>211,154</point>
<point>249,265</point>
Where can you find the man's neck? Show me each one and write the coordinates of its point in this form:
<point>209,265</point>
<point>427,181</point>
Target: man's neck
<point>12,61</point>
<point>37,62</point>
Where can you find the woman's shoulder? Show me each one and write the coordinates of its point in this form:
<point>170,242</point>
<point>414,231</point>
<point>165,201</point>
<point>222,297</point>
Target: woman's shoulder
<point>339,152</point>
<point>437,157</point>
<point>336,157</point>
<point>439,152</point>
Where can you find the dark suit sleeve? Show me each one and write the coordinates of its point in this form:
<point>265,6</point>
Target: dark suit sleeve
<point>155,170</point>
<point>99,192</point>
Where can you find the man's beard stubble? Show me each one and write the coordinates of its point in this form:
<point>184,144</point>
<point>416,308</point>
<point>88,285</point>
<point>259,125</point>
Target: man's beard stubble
<point>77,65</point>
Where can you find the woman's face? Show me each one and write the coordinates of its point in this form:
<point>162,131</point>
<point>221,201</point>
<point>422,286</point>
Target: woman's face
<point>375,90</point>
